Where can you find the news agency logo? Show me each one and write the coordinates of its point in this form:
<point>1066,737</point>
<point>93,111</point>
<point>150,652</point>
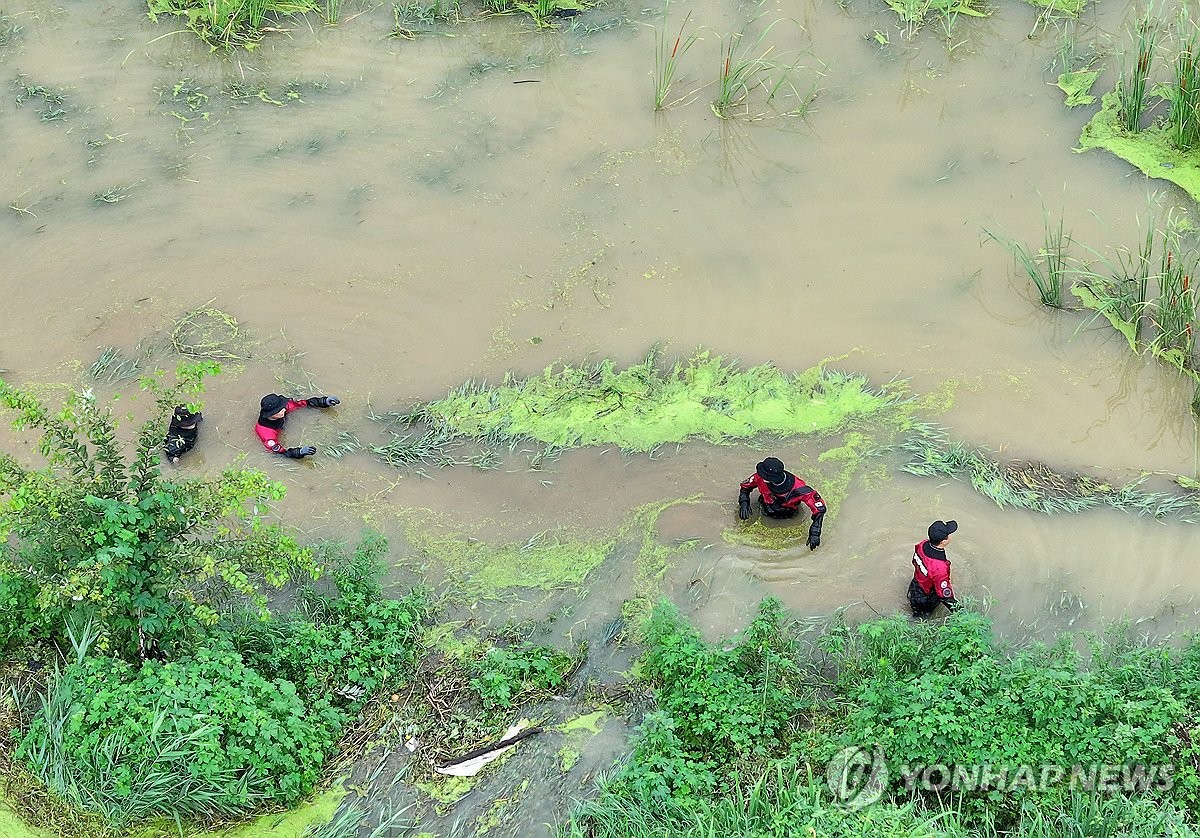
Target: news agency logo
<point>857,777</point>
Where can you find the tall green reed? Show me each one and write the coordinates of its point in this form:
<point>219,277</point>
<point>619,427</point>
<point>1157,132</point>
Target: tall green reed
<point>746,67</point>
<point>1184,89</point>
<point>1174,313</point>
<point>1132,84</point>
<point>666,64</point>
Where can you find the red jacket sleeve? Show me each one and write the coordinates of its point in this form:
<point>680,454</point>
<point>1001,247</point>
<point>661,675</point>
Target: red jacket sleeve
<point>270,436</point>
<point>813,500</point>
<point>939,574</point>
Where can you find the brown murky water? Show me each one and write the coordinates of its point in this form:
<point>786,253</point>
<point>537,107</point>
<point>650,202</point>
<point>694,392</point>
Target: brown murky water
<point>424,212</point>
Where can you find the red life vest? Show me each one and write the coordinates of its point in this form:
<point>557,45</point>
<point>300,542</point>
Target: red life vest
<point>932,574</point>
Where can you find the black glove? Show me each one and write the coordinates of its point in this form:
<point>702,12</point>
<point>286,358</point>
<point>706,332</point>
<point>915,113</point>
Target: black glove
<point>814,531</point>
<point>323,401</point>
<point>298,453</point>
<point>744,505</point>
<point>952,604</point>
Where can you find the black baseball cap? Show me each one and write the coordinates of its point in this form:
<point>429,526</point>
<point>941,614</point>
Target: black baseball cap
<point>272,403</point>
<point>941,530</point>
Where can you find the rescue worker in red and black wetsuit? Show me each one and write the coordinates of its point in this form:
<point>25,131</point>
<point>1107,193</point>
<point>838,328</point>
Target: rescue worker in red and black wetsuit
<point>780,495</point>
<point>931,572</point>
<point>182,433</point>
<point>273,411</point>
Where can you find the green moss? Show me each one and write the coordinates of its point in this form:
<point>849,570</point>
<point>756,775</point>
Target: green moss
<point>1078,87</point>
<point>485,570</point>
<point>576,732</point>
<point>446,789</point>
<point>291,824</point>
<point>567,757</point>
<point>1149,150</point>
<point>11,825</point>
<point>640,408</point>
<point>589,722</point>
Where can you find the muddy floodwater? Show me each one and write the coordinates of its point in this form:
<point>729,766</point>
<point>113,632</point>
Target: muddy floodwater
<point>387,218</point>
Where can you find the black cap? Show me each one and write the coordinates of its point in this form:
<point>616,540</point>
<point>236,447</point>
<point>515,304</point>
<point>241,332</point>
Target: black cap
<point>771,470</point>
<point>183,416</point>
<point>939,531</point>
<point>272,403</point>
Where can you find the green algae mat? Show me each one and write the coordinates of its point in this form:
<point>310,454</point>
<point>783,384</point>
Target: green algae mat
<point>640,407</point>
<point>1149,150</point>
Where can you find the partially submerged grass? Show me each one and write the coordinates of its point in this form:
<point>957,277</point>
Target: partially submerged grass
<point>10,30</point>
<point>417,16</point>
<point>666,64</point>
<point>1184,90</point>
<point>208,333</point>
<point>230,23</point>
<point>914,14</point>
<point>1035,486</point>
<point>53,102</point>
<point>1174,313</point>
<point>747,67</point>
<point>1047,269</point>
<point>1133,82</point>
<point>113,366</point>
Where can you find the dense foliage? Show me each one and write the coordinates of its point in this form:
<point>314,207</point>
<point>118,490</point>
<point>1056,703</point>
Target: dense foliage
<point>504,675</point>
<point>250,717</point>
<point>745,728</point>
<point>203,735</point>
<point>97,536</point>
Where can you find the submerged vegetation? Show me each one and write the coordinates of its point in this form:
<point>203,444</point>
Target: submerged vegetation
<point>1035,486</point>
<point>1145,292</point>
<point>242,23</point>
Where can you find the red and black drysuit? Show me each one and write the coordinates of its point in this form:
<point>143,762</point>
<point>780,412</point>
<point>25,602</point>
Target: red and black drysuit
<point>931,580</point>
<point>780,502</point>
<point>268,429</point>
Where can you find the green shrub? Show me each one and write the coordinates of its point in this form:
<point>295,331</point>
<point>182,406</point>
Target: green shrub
<point>344,647</point>
<point>21,620</point>
<point>201,736</point>
<point>507,674</point>
<point>99,533</point>
<point>728,701</point>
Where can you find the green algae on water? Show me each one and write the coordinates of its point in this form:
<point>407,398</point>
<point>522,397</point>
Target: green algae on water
<point>291,824</point>
<point>1149,150</point>
<point>640,408</point>
<point>546,561</point>
<point>1070,8</point>
<point>1078,87</point>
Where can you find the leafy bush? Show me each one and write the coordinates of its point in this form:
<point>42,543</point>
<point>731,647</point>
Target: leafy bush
<point>343,647</point>
<point>21,620</point>
<point>728,701</point>
<point>104,536</point>
<point>201,736</point>
<point>506,674</point>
